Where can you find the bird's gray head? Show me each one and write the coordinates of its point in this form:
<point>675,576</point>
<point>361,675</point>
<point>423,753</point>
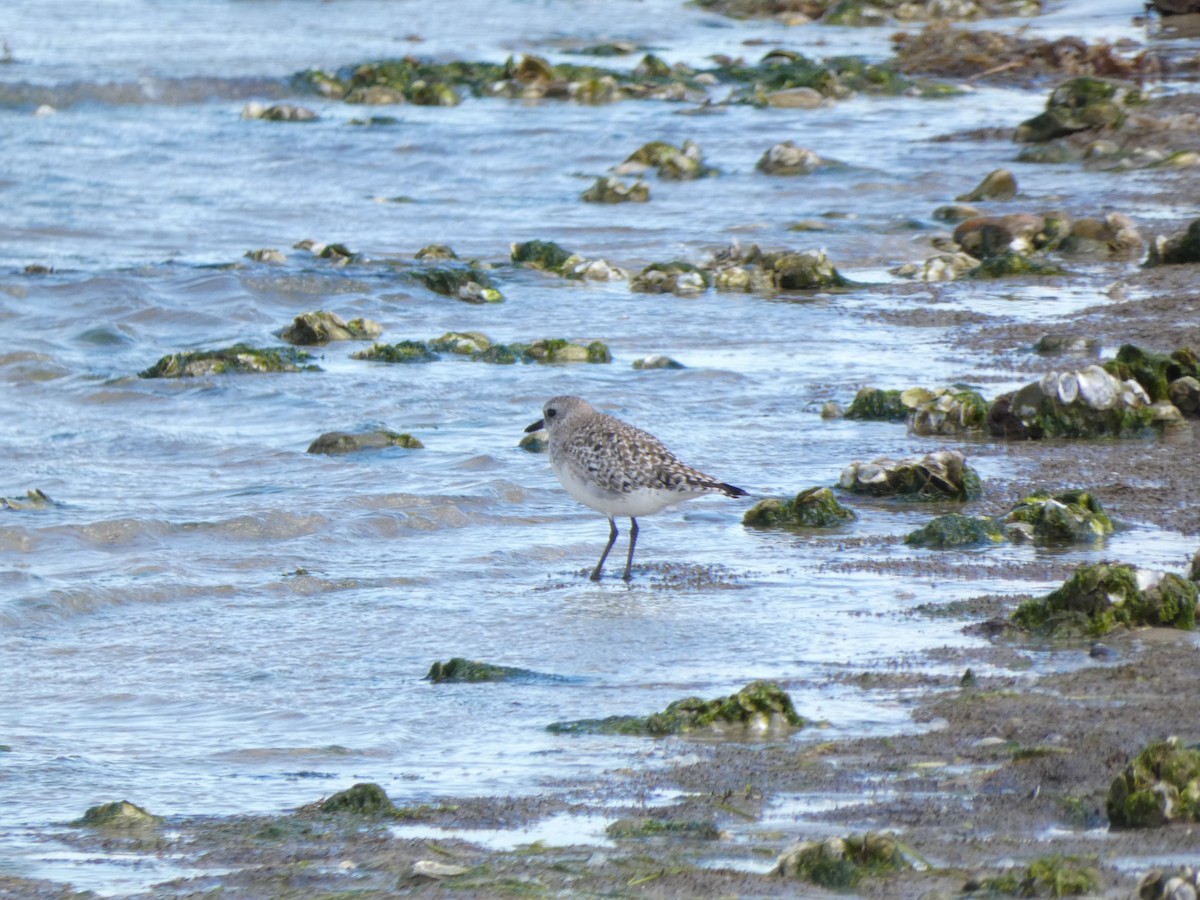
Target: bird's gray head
<point>560,411</point>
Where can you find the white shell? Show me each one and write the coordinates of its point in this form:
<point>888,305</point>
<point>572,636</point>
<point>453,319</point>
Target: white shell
<point>1097,388</point>
<point>1068,387</point>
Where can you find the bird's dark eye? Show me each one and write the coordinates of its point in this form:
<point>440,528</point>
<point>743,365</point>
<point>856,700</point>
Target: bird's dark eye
<point>551,413</point>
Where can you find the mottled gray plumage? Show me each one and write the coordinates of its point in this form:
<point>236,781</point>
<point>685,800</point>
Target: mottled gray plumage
<point>617,469</point>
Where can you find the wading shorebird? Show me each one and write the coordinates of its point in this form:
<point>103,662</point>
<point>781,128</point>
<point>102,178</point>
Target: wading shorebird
<point>617,469</point>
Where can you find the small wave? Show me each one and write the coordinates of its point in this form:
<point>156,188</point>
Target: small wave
<point>144,92</point>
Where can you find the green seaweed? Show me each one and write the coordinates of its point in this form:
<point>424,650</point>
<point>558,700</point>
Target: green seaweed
<point>459,669</point>
<point>956,531</point>
<point>1153,371</point>
<point>399,352</point>
<point>235,360</point>
<point>877,404</point>
<point>841,863</point>
<point>815,507</point>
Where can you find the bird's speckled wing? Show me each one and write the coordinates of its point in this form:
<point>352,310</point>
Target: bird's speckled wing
<point>620,458</point>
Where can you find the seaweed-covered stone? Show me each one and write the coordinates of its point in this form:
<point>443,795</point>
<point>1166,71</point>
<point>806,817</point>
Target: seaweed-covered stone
<point>999,184</point>
<point>788,158</point>
<point>1081,104</point>
<point>399,352</point>
<point>657,361</point>
<point>545,255</point>
<point>267,255</point>
<point>464,343</point>
<point>321,327</point>
<point>956,530</point>
<point>842,862</point>
<point>752,269</point>
<point>1100,597</point>
<point>279,112</point>
<point>672,163</point>
<point>469,284</point>
<point>1178,249</point>
<point>945,411</point>
<point>611,190</point>
<point>1159,786</point>
<point>1012,264</point>
<point>337,442</point>
<point>815,507</point>
<point>236,360</point>
<point>34,499</point>
<point>877,405</point>
<point>761,707</point>
<point>431,252</point>
<point>119,814</point>
<point>1087,403</point>
<point>557,350</point>
<point>1184,394</point>
<point>363,799</point>
<point>1046,876</point>
<point>942,475</point>
<point>1153,371</point>
<point>943,267</point>
<point>1068,517</point>
<point>458,669</point>
<point>642,827</point>
<point>675,277</point>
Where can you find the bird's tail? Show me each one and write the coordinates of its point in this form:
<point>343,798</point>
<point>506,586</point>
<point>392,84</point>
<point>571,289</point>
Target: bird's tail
<point>730,491</point>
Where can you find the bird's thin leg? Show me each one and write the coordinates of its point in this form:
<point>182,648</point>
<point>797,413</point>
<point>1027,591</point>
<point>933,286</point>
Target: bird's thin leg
<point>633,530</point>
<point>612,539</point>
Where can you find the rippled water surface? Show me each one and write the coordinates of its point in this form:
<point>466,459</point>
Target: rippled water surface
<point>211,620</point>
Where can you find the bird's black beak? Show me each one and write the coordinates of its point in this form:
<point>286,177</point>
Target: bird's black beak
<point>536,426</point>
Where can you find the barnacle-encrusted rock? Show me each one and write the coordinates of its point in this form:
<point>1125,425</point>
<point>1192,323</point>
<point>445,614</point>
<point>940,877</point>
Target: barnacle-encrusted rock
<point>842,862</point>
<point>789,159</point>
<point>467,283</point>
<point>657,361</point>
<point>1179,248</point>
<point>1007,265</point>
<point>877,404</point>
<point>238,359</point>
<point>815,507</point>
<point>336,442</point>
<point>1184,393</point>
<point>761,707</point>
<point>458,669</point>
<point>1066,517</point>
<point>1101,597</point>
<point>545,255</point>
<point>119,814</point>
<point>558,350</point>
<point>943,267</point>
<point>672,163</point>
<point>1160,785</point>
<point>999,184</point>
<point>399,352</point>
<point>943,475</point>
<point>1087,403</point>
<point>432,252</point>
<point>33,499</point>
<point>945,410</point>
<point>321,327</point>
<point>281,112</point>
<point>1080,104</point>
<point>956,531</point>
<point>1155,372</point>
<point>676,277</point>
<point>752,269</point>
<point>1047,876</point>
<point>610,190</point>
<point>363,799</point>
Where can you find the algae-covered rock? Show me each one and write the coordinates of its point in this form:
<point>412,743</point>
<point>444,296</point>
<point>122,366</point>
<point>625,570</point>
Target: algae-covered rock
<point>657,361</point>
<point>842,862</point>
<point>545,255</point>
<point>943,475</point>
<point>957,531</point>
<point>1178,249</point>
<point>399,352</point>
<point>279,112</point>
<point>1011,264</point>
<point>557,350</point>
<point>815,507</point>
<point>945,411</point>
<point>1100,597</point>
<point>267,255</point>
<point>363,799</point>
<point>672,163</point>
<point>464,343</point>
<point>759,708</point>
<point>642,827</point>
<point>236,360</point>
<point>1184,394</point>
<point>1159,786</point>
<point>338,442</point>
<point>753,269</point>
<point>458,669</point>
<point>611,190</point>
<point>321,327</point>
<point>1046,876</point>
<point>1081,104</point>
<point>1063,518</point>
<point>119,814</point>
<point>34,499</point>
<point>1153,371</point>
<point>877,404</point>
<point>469,284</point>
<point>1087,403</point>
<point>999,184</point>
<point>676,277</point>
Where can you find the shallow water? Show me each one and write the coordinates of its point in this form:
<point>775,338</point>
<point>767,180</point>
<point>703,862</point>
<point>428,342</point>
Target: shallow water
<point>213,621</point>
